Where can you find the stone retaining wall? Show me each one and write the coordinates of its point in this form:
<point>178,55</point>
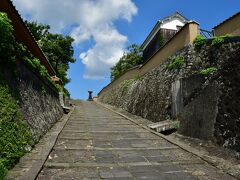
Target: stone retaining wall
<point>182,38</point>
<point>209,104</point>
<point>38,99</point>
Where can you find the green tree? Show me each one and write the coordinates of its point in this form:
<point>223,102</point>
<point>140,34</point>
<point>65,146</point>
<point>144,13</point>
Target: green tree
<point>57,47</point>
<point>38,30</point>
<point>131,58</point>
<point>59,51</point>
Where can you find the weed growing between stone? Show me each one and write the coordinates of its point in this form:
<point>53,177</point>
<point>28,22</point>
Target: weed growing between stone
<point>199,41</point>
<point>136,78</point>
<point>127,83</point>
<point>217,41</point>
<point>176,63</point>
<point>208,71</point>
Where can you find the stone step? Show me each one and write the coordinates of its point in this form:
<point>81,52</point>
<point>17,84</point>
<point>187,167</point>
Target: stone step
<point>164,125</point>
<point>116,148</point>
<point>79,164</point>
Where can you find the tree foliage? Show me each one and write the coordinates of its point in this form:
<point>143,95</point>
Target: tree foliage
<point>131,58</point>
<point>57,47</point>
<point>59,50</point>
<point>38,30</point>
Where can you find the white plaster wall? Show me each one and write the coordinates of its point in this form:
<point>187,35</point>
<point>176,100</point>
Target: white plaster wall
<point>172,24</point>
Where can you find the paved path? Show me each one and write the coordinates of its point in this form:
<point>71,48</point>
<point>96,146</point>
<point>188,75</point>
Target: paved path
<point>99,144</point>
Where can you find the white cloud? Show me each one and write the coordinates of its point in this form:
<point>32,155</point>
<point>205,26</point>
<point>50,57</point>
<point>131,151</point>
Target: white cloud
<point>104,54</point>
<point>91,19</point>
<point>80,34</point>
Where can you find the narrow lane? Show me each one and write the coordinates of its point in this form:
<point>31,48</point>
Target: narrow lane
<point>99,144</point>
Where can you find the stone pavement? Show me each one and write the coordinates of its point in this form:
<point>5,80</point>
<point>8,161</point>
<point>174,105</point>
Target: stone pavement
<point>99,144</point>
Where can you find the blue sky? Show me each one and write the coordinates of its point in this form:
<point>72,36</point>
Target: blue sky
<point>101,28</point>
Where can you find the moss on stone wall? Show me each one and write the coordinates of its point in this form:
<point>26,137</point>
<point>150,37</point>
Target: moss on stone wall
<point>15,136</point>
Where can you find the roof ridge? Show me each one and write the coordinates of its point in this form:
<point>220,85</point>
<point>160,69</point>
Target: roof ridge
<point>172,15</point>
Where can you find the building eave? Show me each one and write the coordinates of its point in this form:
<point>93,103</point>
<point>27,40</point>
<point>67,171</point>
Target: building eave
<point>157,27</point>
<point>152,33</point>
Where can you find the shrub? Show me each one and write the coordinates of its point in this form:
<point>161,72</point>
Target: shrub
<point>217,41</point>
<point>6,29</point>
<point>199,41</point>
<point>15,136</point>
<point>34,64</point>
<point>10,49</point>
<point>176,63</point>
<point>208,71</point>
<point>6,39</point>
<point>3,169</point>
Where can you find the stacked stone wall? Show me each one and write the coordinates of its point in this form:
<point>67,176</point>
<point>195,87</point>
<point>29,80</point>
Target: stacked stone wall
<point>209,103</point>
<point>38,99</point>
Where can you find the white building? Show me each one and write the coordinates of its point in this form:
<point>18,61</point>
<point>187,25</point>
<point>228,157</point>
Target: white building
<point>165,28</point>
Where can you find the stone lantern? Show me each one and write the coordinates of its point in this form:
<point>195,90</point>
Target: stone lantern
<point>90,96</point>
